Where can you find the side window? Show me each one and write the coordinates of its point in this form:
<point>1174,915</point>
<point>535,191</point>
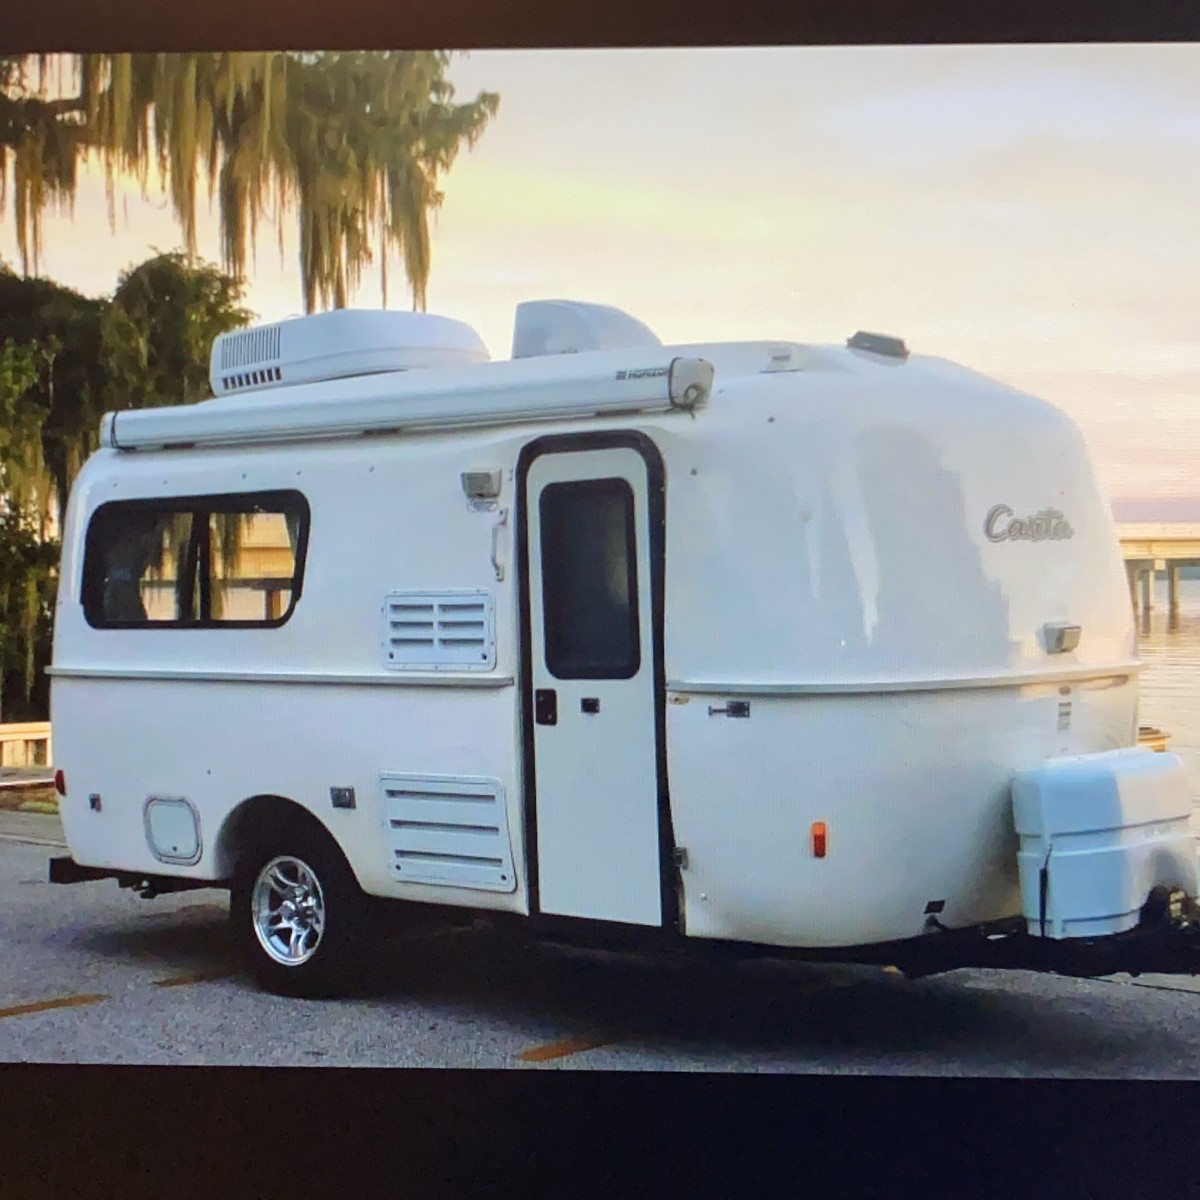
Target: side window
<point>589,579</point>
<point>198,561</point>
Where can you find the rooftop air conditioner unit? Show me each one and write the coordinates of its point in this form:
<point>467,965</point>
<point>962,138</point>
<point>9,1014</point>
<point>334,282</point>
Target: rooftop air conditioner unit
<point>337,345</point>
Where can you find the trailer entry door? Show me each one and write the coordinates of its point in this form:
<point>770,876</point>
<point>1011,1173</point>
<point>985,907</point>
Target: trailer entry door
<point>591,686</point>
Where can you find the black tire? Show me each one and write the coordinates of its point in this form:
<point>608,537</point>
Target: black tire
<point>328,964</point>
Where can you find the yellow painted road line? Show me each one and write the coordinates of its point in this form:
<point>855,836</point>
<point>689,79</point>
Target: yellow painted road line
<point>193,977</point>
<point>20,1010</point>
<point>567,1046</point>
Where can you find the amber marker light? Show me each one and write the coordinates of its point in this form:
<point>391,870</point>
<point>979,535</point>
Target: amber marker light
<point>818,839</point>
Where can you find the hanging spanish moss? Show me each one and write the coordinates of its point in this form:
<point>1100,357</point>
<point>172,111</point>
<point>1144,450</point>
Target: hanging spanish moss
<point>354,144</point>
<point>26,485</point>
<point>27,563</point>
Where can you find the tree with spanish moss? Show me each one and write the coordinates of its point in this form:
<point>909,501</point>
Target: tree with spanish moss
<point>65,359</point>
<point>28,559</point>
<point>145,345</point>
<point>355,144</point>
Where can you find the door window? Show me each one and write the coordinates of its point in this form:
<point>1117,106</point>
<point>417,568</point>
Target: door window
<point>589,580</point>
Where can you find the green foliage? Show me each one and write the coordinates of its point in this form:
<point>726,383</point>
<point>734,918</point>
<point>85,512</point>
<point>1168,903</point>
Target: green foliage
<point>18,373</point>
<point>27,559</point>
<point>24,481</point>
<point>65,359</point>
<point>355,143</point>
<point>65,399</point>
<point>28,579</point>
<point>158,330</point>
<point>145,346</point>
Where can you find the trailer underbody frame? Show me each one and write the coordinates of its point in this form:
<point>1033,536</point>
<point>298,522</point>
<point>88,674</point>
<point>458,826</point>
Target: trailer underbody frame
<point>1166,941</point>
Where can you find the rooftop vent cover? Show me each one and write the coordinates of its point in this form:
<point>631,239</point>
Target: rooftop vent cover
<point>878,343</point>
<point>570,327</point>
<point>337,345</point>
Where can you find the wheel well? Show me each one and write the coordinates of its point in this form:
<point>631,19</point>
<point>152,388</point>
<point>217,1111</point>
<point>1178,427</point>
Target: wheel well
<point>256,819</point>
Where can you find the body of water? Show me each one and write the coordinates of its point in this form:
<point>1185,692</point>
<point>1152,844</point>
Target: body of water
<point>1170,681</point>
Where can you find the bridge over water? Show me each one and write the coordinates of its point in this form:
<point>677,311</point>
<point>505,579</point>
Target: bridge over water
<point>1149,549</point>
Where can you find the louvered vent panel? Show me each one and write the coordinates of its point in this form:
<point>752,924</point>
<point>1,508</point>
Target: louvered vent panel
<point>439,630</point>
<point>448,830</point>
<point>250,359</point>
<point>255,347</point>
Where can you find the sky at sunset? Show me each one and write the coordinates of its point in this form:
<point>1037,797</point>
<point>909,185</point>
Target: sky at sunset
<point>1031,211</point>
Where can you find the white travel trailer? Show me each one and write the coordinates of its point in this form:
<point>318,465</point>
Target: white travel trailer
<point>765,646</point>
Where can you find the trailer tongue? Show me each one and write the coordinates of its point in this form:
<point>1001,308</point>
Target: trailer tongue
<point>1108,869</point>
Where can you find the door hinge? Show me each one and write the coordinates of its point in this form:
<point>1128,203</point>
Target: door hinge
<point>679,856</point>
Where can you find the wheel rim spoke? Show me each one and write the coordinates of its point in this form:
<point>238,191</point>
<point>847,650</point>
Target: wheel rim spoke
<point>279,882</point>
<point>296,943</point>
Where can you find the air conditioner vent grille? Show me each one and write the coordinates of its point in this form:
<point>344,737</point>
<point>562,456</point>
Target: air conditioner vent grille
<point>251,348</point>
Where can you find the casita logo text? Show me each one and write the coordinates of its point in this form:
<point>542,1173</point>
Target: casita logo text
<point>1048,525</point>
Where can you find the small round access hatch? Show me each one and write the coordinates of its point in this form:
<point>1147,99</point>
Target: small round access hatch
<point>173,830</point>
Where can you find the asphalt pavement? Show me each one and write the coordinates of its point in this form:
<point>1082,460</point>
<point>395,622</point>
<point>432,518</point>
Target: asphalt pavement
<point>90,973</point>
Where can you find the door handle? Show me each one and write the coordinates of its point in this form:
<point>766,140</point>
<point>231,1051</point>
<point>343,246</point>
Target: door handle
<point>545,706</point>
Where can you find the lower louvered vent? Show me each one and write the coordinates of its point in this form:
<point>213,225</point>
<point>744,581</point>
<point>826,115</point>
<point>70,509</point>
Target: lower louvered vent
<point>448,830</point>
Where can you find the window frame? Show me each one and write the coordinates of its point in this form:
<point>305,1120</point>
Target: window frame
<point>202,508</point>
<point>607,485</point>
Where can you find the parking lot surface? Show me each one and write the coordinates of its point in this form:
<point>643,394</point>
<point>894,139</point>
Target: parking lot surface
<point>93,974</point>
